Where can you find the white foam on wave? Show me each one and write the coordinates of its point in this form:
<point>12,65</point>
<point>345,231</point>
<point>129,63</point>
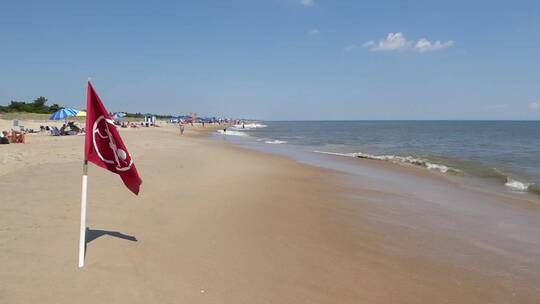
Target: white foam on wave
<point>249,126</point>
<point>511,183</point>
<point>232,133</point>
<point>516,185</point>
<point>335,153</point>
<point>398,159</point>
<point>276,142</point>
<point>439,167</point>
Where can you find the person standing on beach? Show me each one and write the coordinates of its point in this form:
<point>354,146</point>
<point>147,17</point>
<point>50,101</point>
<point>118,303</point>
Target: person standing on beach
<point>181,128</point>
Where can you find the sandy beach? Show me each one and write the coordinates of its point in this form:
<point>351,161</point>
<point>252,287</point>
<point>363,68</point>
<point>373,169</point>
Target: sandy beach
<point>217,223</point>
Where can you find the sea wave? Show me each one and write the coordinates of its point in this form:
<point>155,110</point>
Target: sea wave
<point>232,133</point>
<point>517,185</point>
<point>513,183</point>
<point>276,142</point>
<point>249,126</point>
<point>399,159</point>
<point>502,177</point>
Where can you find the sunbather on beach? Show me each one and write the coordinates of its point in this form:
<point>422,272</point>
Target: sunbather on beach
<point>66,130</point>
<point>63,130</point>
<point>17,137</point>
<point>74,127</point>
<point>4,138</point>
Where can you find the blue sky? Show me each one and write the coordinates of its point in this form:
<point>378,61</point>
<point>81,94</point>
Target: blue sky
<point>279,59</point>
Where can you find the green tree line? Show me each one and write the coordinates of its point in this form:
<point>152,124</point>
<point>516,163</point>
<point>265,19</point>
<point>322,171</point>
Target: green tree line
<point>37,106</point>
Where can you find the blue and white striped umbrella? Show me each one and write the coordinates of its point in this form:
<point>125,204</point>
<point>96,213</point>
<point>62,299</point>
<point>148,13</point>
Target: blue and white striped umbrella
<point>63,114</point>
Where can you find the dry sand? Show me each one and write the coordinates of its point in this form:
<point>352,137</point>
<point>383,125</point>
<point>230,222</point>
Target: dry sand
<point>215,223</point>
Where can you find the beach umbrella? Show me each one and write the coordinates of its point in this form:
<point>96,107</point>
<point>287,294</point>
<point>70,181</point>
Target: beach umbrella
<point>63,114</point>
<point>81,114</point>
<point>118,116</point>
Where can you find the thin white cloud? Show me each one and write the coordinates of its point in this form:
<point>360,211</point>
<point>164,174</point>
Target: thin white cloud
<point>392,42</point>
<point>307,3</point>
<point>424,45</point>
<point>398,42</point>
<point>314,32</point>
<point>535,105</point>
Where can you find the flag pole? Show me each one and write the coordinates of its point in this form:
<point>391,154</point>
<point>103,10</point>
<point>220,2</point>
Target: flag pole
<point>82,239</point>
<point>84,191</point>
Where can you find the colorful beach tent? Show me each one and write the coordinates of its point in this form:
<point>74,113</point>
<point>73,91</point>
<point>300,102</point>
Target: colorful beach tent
<point>63,114</point>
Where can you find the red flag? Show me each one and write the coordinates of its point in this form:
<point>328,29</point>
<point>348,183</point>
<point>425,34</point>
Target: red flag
<point>104,146</point>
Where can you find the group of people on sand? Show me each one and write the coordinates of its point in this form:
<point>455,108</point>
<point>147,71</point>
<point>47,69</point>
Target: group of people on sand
<point>68,128</point>
<point>19,136</point>
<point>126,124</point>
<point>183,123</point>
<point>15,137</point>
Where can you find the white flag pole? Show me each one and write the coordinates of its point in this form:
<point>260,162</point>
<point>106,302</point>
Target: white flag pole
<point>82,239</point>
<point>82,236</point>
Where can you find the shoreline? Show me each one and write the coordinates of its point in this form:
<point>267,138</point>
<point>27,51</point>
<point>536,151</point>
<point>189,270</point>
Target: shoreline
<point>508,164</point>
<point>220,223</point>
<point>336,161</point>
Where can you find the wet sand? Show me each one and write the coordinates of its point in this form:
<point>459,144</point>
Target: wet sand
<point>216,223</point>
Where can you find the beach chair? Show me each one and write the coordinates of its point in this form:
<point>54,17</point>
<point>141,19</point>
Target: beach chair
<point>55,131</point>
<point>16,126</point>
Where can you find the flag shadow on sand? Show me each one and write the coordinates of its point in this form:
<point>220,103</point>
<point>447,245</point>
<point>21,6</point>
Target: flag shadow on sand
<point>92,234</point>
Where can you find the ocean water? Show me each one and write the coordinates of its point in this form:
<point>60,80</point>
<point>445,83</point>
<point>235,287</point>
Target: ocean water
<point>505,153</point>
